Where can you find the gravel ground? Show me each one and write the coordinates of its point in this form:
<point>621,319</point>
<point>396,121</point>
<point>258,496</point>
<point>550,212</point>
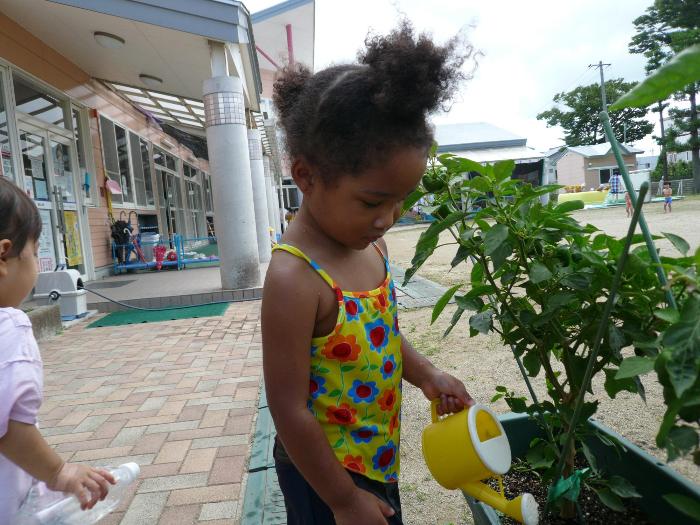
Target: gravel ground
<point>482,362</point>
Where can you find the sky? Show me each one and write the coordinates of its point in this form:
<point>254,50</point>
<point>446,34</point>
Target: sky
<point>527,51</point>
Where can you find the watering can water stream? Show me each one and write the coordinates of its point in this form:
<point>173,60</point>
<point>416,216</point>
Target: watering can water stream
<point>464,449</point>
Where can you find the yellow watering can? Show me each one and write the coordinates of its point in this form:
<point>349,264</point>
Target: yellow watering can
<point>464,449</point>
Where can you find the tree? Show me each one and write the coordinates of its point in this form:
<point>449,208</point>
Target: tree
<point>666,28</point>
<point>581,123</point>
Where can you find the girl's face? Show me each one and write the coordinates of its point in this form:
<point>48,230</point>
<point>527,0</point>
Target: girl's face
<point>356,210</point>
<point>17,273</point>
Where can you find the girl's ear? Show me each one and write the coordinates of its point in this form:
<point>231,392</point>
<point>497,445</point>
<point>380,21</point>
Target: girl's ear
<point>302,175</point>
<point>5,248</point>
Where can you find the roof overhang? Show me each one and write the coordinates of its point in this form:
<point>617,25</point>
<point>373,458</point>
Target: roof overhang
<point>270,26</point>
<point>519,154</point>
<point>473,146</point>
<point>167,39</point>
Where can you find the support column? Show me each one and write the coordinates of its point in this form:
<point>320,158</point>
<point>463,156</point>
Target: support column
<point>272,210</point>
<point>257,173</point>
<point>229,163</point>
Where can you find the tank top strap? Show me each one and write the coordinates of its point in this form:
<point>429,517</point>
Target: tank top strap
<point>381,254</point>
<point>298,253</point>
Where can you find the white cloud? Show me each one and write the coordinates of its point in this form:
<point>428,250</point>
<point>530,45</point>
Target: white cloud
<point>532,50</point>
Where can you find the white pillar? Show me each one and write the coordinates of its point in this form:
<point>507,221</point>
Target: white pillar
<point>257,174</point>
<point>227,143</point>
<point>272,211</point>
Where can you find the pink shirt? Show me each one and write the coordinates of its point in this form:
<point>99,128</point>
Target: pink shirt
<point>21,386</point>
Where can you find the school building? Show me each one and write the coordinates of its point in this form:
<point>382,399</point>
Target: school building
<point>155,112</point>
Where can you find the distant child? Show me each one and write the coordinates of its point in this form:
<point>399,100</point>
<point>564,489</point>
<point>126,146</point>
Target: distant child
<point>24,454</point>
<point>668,199</point>
<point>628,203</point>
<point>333,354</point>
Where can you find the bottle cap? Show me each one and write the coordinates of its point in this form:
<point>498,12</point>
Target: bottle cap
<point>133,469</point>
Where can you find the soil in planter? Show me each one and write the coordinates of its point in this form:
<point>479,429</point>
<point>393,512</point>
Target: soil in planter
<point>594,512</point>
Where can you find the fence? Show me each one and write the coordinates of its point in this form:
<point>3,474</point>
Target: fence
<point>679,187</point>
<point>148,252</point>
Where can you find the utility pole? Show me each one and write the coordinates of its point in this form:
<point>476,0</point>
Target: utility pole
<point>600,65</point>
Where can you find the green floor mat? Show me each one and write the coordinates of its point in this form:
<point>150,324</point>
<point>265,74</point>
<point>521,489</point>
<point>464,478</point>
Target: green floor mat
<point>154,316</point>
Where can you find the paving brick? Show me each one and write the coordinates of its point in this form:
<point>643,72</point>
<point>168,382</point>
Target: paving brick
<point>197,433</point>
<point>153,420</point>
<point>159,470</point>
<point>235,450</point>
<point>223,441</point>
<point>128,436</point>
<point>239,425</point>
<point>128,416</point>
<point>171,408</point>
<point>198,460</point>
<point>101,453</point>
<point>190,413</point>
<point>227,389</point>
<point>172,427</point>
<point>152,443</point>
<point>116,410</point>
<point>178,481</point>
<point>74,418</point>
<point>227,470</point>
<point>91,444</point>
<point>204,494</point>
<point>180,515</point>
<point>153,403</point>
<point>68,438</point>
<point>223,510</point>
<point>91,423</point>
<point>109,429</point>
<point>214,418</point>
<point>173,452</point>
<point>208,400</point>
<point>145,509</point>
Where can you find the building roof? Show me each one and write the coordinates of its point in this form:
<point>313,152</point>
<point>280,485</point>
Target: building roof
<point>475,135</point>
<point>599,150</point>
<point>516,153</point>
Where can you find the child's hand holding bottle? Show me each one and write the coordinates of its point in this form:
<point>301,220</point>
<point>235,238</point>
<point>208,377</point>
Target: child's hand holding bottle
<point>86,483</point>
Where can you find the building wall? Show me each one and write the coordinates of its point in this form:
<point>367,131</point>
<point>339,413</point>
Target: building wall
<point>570,169</point>
<point>26,52</point>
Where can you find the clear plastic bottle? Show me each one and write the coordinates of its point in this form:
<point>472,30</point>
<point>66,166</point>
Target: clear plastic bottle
<point>46,507</point>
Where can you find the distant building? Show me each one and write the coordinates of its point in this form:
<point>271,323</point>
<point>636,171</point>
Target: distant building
<point>647,162</point>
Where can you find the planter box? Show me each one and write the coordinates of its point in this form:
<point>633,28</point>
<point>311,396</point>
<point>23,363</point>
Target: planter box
<point>651,477</point>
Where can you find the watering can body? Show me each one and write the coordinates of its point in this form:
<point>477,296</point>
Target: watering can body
<point>463,449</point>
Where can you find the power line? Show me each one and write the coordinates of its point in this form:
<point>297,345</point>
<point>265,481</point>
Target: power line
<point>601,65</point>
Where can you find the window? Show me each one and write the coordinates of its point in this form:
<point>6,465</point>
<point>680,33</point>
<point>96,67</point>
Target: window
<point>141,166</point>
<point>605,174</point>
<point>209,197</point>
<point>170,192</point>
<point>86,179</point>
<point>195,202</point>
<point>5,148</point>
<point>33,101</point>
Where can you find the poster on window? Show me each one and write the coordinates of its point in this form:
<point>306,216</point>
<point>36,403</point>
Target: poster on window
<point>74,254</point>
<point>47,253</point>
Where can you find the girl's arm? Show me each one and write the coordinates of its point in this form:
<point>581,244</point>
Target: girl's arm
<point>290,302</point>
<point>25,447</point>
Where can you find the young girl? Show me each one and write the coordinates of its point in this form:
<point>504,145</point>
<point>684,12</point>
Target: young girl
<point>333,354</point>
<point>24,455</point>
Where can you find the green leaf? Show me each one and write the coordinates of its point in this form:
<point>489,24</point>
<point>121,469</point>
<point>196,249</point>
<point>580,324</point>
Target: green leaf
<point>678,242</point>
<point>539,273</point>
<point>503,169</point>
<point>609,499</point>
<point>615,338</point>
<point>462,253</point>
<point>681,440</point>
<point>455,319</point>
<point>336,393</point>
<point>532,363</point>
<point>682,70</point>
<point>541,456</point>
<point>347,368</point>
<point>613,385</point>
<point>577,281</point>
<point>496,397</point>
<point>622,487</point>
<point>590,457</point>
<point>339,443</point>
<point>427,242</point>
<point>516,404</point>
<point>479,183</point>
<point>697,261</point>
<point>460,164</point>
<point>374,367</point>
<point>501,388</point>
<point>482,321</point>
<point>499,256</point>
<point>670,315</point>
<point>322,370</point>
<point>442,302</point>
<point>634,366</point>
<point>688,506</point>
<point>569,206</point>
<point>469,303</point>
<point>600,242</point>
<point>682,369</point>
<point>559,299</point>
<point>414,197</point>
<point>568,488</point>
<point>494,238</point>
<point>477,274</point>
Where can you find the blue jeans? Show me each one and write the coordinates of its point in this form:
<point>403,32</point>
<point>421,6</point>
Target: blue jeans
<point>305,507</point>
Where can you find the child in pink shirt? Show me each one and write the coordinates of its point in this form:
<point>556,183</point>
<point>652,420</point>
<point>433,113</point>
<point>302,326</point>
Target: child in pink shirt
<point>24,454</point>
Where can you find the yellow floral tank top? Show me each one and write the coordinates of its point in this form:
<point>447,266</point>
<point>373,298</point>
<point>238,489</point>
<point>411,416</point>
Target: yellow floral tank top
<point>355,378</point>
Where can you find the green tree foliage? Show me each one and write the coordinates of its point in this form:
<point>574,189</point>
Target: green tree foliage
<point>676,171</point>
<point>580,116</point>
<point>666,28</point>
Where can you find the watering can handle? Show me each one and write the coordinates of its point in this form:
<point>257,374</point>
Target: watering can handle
<point>433,410</point>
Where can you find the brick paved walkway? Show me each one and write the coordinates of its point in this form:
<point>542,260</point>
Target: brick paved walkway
<point>176,397</point>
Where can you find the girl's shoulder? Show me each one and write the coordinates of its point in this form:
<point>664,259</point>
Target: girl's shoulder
<point>17,341</point>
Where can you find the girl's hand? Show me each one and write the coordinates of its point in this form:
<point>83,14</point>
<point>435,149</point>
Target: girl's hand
<point>88,484</point>
<point>449,390</point>
<point>363,507</point>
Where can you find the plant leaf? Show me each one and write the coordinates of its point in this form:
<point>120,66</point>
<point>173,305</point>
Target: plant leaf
<point>539,273</point>
<point>622,487</point>
<point>532,363</point>
<point>455,318</point>
<point>494,238</point>
<point>442,302</point>
<point>613,385</point>
<point>688,506</point>
<point>503,169</point>
<point>681,440</point>
<point>682,369</point>
<point>678,242</point>
<point>414,197</point>
<point>481,321</point>
<point>682,70</point>
<point>569,206</point>
<point>670,315</point>
<point>609,499</point>
<point>634,366</point>
<point>590,457</point>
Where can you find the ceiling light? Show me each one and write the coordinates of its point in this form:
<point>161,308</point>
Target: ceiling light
<point>109,40</point>
<point>150,80</point>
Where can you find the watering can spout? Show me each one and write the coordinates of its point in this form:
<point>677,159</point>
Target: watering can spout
<point>523,509</point>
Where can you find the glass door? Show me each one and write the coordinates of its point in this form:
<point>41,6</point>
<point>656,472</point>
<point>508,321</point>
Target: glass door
<point>66,200</point>
<point>33,145</point>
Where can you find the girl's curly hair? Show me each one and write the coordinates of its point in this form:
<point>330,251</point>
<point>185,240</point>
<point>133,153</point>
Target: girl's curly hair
<point>347,118</point>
